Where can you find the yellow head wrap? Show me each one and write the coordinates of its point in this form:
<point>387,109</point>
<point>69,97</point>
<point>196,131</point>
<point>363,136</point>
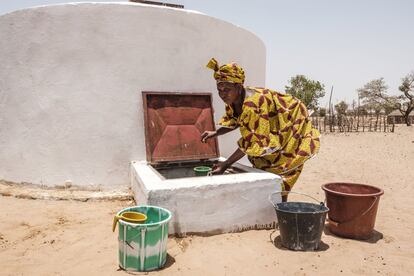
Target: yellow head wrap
<point>230,72</point>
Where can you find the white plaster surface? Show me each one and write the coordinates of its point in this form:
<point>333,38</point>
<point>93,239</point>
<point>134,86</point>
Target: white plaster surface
<point>210,204</point>
<point>71,79</point>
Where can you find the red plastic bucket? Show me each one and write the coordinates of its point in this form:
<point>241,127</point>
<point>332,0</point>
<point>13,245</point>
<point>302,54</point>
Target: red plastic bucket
<point>352,209</point>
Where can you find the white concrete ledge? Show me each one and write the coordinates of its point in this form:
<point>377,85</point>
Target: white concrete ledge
<point>210,204</point>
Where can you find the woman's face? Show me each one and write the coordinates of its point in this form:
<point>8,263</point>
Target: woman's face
<point>229,92</point>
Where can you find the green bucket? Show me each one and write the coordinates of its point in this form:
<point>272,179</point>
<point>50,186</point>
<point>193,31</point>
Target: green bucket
<point>202,170</point>
<point>143,247</point>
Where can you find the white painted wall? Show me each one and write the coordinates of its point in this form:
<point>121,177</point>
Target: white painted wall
<point>71,77</point>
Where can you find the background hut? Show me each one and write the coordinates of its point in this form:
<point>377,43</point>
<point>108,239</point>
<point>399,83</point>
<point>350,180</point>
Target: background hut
<point>397,118</point>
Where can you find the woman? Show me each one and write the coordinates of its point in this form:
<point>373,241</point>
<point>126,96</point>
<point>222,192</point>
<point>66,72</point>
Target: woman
<point>276,133</point>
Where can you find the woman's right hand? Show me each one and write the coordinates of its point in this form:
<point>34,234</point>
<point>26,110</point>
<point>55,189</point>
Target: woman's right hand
<point>219,168</point>
<point>207,135</point>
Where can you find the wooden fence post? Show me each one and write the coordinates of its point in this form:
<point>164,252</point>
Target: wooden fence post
<point>363,124</point>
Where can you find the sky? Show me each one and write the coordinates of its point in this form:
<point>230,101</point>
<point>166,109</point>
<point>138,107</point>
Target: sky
<point>343,44</point>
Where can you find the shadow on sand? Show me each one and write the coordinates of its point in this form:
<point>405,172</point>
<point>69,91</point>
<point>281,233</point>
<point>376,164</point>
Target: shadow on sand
<point>169,262</point>
<point>376,236</point>
<point>277,242</point>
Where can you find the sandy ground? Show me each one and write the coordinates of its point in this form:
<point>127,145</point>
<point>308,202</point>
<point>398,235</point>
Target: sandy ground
<point>47,237</point>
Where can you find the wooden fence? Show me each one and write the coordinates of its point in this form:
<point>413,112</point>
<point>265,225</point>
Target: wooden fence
<point>361,123</point>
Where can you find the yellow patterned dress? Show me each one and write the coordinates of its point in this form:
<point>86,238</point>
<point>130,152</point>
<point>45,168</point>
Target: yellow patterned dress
<point>276,133</point>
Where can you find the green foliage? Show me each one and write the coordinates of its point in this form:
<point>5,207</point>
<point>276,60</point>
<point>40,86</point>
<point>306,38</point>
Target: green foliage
<point>388,107</point>
<point>374,107</point>
<point>407,86</point>
<point>322,112</point>
<point>341,108</point>
<point>362,110</point>
<point>372,95</point>
<point>375,97</point>
<point>308,91</point>
<point>406,101</point>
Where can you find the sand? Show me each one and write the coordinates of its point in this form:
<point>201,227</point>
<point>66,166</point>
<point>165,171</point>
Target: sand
<point>49,237</point>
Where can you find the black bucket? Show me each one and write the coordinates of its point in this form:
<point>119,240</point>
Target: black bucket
<point>300,223</point>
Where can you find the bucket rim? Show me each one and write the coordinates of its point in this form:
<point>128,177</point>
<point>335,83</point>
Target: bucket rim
<point>291,212</point>
<point>326,189</point>
<point>145,224</point>
<point>202,169</point>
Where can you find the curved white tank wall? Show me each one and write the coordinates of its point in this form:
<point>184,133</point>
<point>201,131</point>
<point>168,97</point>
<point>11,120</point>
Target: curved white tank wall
<point>71,78</point>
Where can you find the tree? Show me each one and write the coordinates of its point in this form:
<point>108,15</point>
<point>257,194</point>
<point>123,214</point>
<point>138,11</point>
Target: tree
<point>341,108</point>
<point>354,106</point>
<point>322,112</point>
<point>405,102</point>
<point>361,110</point>
<point>375,96</point>
<point>307,90</point>
<point>372,95</point>
<point>388,108</point>
<point>374,107</point>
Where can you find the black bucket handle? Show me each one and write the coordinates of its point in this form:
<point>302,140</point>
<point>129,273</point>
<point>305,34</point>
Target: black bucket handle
<point>279,192</point>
